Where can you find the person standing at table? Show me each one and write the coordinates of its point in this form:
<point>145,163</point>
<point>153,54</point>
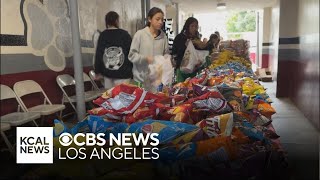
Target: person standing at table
<point>146,44</point>
<point>111,62</point>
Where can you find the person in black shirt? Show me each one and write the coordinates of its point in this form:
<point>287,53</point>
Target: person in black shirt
<point>111,61</point>
<point>189,32</point>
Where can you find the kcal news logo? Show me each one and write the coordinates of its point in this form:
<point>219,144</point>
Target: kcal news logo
<point>34,145</point>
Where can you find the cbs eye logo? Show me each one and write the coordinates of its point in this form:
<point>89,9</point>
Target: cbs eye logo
<point>65,139</point>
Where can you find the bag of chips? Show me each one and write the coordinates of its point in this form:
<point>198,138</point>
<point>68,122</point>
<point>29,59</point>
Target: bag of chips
<point>181,113</point>
<point>217,105</point>
<point>266,109</point>
<point>167,130</point>
<point>233,96</point>
<point>220,125</point>
<point>193,136</point>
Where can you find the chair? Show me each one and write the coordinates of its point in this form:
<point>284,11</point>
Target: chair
<point>16,118</point>
<point>86,78</point>
<point>5,127</point>
<point>92,75</point>
<point>27,87</point>
<point>65,80</point>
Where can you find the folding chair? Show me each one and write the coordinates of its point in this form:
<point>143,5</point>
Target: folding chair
<point>92,76</point>
<point>86,78</point>
<point>65,80</point>
<point>5,127</point>
<point>16,118</point>
<point>27,87</point>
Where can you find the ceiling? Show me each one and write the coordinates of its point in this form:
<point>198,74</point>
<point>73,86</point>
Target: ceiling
<point>207,6</point>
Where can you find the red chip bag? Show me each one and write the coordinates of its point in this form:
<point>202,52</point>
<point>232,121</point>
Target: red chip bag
<point>98,111</point>
<point>142,113</point>
<point>125,103</point>
<point>122,88</point>
<point>212,94</point>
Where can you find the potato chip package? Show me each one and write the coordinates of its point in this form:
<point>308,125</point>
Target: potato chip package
<point>233,96</point>
<point>220,125</point>
<point>249,130</point>
<point>193,136</point>
<point>206,148</point>
<point>261,120</point>
<point>266,109</point>
<point>218,105</point>
<point>167,130</point>
<point>181,113</point>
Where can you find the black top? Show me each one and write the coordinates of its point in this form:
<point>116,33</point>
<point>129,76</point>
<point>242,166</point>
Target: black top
<point>112,54</point>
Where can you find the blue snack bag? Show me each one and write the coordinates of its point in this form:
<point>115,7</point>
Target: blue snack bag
<point>97,124</point>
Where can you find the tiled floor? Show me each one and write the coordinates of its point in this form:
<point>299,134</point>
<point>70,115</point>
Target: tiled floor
<point>297,135</point>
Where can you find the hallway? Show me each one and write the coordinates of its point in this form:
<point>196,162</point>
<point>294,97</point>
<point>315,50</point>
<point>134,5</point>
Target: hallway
<point>297,135</point>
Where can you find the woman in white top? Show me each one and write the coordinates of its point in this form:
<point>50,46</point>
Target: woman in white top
<point>146,44</point>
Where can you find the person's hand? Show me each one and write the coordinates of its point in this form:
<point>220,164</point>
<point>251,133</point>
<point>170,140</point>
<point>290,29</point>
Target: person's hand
<point>150,59</point>
<point>205,40</point>
<point>199,44</point>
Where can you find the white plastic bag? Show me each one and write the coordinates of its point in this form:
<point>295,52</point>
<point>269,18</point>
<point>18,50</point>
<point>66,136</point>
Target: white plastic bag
<point>192,57</point>
<point>161,71</point>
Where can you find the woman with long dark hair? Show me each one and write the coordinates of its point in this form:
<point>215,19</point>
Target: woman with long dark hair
<point>112,53</point>
<point>189,32</point>
<point>146,44</point>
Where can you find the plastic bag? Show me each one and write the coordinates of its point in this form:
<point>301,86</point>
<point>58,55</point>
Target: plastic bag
<point>191,58</point>
<point>161,71</point>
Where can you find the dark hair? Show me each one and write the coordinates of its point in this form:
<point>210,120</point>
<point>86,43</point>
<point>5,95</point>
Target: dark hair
<point>111,19</point>
<point>153,11</point>
<point>217,33</point>
<point>188,22</point>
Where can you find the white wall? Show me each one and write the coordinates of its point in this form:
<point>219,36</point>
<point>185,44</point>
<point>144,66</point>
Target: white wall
<point>129,12</point>
<point>288,18</point>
